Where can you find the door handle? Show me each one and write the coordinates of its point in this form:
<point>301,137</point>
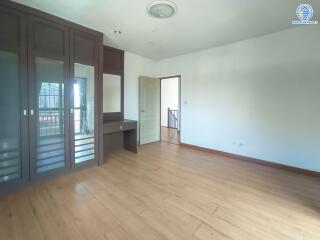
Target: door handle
<point>142,110</point>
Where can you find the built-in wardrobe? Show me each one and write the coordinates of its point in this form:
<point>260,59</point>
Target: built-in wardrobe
<point>49,109</point>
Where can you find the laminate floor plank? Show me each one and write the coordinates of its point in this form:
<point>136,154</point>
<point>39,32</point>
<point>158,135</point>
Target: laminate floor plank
<point>166,192</point>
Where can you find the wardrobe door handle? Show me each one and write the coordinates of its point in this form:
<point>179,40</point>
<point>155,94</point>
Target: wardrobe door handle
<point>25,112</point>
<point>31,112</point>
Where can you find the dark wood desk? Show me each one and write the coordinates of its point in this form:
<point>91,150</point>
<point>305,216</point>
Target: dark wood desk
<point>120,134</point>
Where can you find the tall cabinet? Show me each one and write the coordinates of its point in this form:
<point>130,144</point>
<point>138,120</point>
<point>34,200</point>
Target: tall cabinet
<point>14,155</point>
<point>49,74</point>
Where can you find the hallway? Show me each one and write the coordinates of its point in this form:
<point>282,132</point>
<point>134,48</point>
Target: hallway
<point>170,135</point>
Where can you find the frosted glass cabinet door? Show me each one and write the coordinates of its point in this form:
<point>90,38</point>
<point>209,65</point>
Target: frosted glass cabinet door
<point>50,137</point>
<point>14,154</point>
<point>10,131</point>
<point>49,93</point>
<point>84,109</point>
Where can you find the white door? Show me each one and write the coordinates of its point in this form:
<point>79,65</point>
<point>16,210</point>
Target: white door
<point>149,108</point>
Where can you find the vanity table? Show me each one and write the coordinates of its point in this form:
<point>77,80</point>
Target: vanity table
<point>118,133</point>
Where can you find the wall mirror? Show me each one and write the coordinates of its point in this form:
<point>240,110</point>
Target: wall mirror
<point>113,84</point>
<point>111,93</point>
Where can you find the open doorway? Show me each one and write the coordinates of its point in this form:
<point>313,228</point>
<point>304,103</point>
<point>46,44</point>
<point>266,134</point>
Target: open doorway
<point>170,109</point>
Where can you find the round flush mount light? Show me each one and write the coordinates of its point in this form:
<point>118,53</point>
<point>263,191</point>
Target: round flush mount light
<point>162,9</point>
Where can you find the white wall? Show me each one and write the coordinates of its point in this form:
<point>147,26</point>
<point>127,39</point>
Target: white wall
<point>134,67</point>
<point>169,98</point>
<point>258,98</point>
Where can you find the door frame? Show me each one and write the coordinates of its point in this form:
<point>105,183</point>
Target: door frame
<point>179,104</point>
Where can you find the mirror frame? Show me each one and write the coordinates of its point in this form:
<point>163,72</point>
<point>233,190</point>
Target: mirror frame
<point>113,63</point>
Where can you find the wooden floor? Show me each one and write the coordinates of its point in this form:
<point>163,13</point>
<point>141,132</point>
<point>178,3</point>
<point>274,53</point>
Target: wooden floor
<point>169,135</point>
<point>167,192</point>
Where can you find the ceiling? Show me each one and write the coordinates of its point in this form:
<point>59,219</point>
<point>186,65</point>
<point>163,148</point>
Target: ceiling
<point>197,25</point>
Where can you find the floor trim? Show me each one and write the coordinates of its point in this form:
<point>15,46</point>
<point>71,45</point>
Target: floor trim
<point>254,160</point>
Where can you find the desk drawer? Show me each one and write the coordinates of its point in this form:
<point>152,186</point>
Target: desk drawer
<point>112,127</point>
<point>129,126</point>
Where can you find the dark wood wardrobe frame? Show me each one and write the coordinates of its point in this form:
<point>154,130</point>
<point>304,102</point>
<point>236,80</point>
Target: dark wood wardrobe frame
<point>110,67</point>
<point>21,50</point>
<point>26,13</point>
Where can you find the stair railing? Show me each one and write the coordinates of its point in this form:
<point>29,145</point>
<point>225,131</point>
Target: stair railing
<point>173,118</point>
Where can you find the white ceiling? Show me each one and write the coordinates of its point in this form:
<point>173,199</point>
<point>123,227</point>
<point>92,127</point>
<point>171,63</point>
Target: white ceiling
<point>198,24</point>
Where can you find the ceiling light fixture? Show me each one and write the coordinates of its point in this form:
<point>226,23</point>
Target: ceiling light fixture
<point>118,32</point>
<point>162,9</point>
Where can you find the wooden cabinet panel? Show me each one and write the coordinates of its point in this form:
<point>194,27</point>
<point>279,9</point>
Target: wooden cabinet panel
<point>129,125</point>
<point>49,39</point>
<point>10,27</point>
<point>84,49</point>
<point>113,61</point>
<point>112,127</point>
